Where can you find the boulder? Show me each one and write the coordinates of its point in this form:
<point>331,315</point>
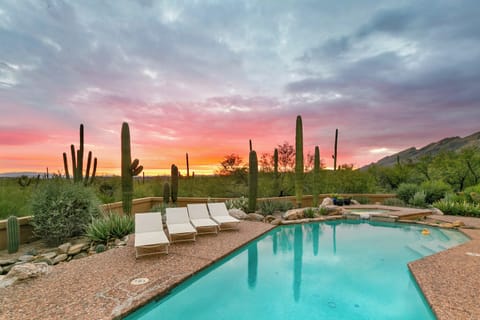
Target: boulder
<point>26,258</point>
<point>327,202</point>
<point>119,243</point>
<point>437,211</point>
<point>63,248</point>
<point>6,262</point>
<point>28,270</point>
<point>49,255</point>
<point>77,248</point>
<point>254,217</point>
<point>276,222</point>
<point>293,214</point>
<point>60,258</point>
<point>80,255</point>
<point>43,260</point>
<point>237,213</point>
<point>269,218</point>
<point>446,225</point>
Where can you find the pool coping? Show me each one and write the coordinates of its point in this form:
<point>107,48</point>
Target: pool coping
<point>99,286</point>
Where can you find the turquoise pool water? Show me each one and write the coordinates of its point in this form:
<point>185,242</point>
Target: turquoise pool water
<point>335,270</point>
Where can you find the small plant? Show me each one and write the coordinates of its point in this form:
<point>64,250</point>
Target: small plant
<point>110,226</point>
<point>284,205</point>
<point>435,190</point>
<point>267,207</point>
<point>362,200</point>
<point>418,199</point>
<point>458,208</point>
<point>309,213</point>
<point>394,202</point>
<point>237,203</point>
<point>406,191</point>
<point>100,248</point>
<point>323,211</point>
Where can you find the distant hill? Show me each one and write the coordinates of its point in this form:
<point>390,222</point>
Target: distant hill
<point>413,154</point>
<point>19,174</point>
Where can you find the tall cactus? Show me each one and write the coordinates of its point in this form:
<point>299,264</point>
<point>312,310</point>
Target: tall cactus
<point>129,170</point>
<point>299,161</point>
<point>335,151</point>
<point>252,181</point>
<point>188,166</point>
<point>77,163</point>
<point>250,144</point>
<point>316,176</point>
<point>276,182</point>
<point>13,234</point>
<point>166,193</point>
<point>174,182</point>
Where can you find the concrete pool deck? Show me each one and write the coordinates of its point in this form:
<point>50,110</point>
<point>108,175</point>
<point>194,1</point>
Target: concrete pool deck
<point>99,286</point>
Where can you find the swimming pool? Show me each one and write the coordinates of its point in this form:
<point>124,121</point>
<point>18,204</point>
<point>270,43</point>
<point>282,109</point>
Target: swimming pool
<point>334,270</point>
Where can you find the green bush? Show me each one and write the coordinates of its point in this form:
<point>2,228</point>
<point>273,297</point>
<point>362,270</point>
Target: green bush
<point>418,199</point>
<point>237,203</point>
<point>110,226</point>
<point>309,213</point>
<point>406,191</point>
<point>362,200</point>
<point>62,210</point>
<point>435,190</point>
<point>323,211</point>
<point>458,208</point>
<point>267,207</point>
<point>472,193</point>
<point>284,205</point>
<point>394,202</point>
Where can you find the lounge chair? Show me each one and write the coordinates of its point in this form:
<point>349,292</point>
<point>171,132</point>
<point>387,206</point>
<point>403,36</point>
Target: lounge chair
<point>179,226</point>
<point>149,235</point>
<point>200,218</point>
<point>220,215</point>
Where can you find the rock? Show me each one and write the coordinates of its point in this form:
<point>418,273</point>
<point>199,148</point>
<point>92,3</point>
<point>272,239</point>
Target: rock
<point>237,213</point>
<point>77,248</point>
<point>446,225</point>
<point>26,258</point>
<point>276,222</point>
<point>64,248</point>
<point>6,262</point>
<point>28,270</point>
<point>254,217</point>
<point>293,214</point>
<point>119,243</point>
<point>327,202</point>
<point>125,239</point>
<point>1,270</point>
<point>43,260</point>
<point>458,224</point>
<point>5,282</point>
<point>332,210</point>
<point>80,255</point>
<point>355,202</point>
<point>269,218</point>
<point>437,211</point>
<point>49,255</point>
<point>60,258</point>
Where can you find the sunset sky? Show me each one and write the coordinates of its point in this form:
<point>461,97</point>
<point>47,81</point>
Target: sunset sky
<point>204,77</point>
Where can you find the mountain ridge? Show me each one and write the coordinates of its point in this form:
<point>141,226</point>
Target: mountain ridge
<point>432,149</point>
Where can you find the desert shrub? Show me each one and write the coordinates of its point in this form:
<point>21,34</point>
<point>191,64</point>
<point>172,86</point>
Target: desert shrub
<point>309,213</point>
<point>362,200</point>
<point>110,226</point>
<point>284,205</point>
<point>406,191</point>
<point>237,203</point>
<point>61,210</point>
<point>472,193</point>
<point>267,207</point>
<point>435,190</point>
<point>393,202</point>
<point>458,208</point>
<point>418,199</point>
<point>323,211</point>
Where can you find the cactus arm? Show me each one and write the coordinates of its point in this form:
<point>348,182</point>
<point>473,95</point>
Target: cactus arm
<point>89,163</point>
<point>65,165</point>
<point>94,171</point>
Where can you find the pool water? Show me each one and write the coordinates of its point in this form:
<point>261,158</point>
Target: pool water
<point>333,270</point>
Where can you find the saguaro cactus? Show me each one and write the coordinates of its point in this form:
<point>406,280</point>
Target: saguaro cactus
<point>174,182</point>
<point>316,176</point>
<point>299,161</point>
<point>129,170</point>
<point>77,163</point>
<point>166,193</point>
<point>276,183</point>
<point>13,234</point>
<point>250,144</point>
<point>252,181</point>
<point>188,166</point>
<point>335,151</point>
